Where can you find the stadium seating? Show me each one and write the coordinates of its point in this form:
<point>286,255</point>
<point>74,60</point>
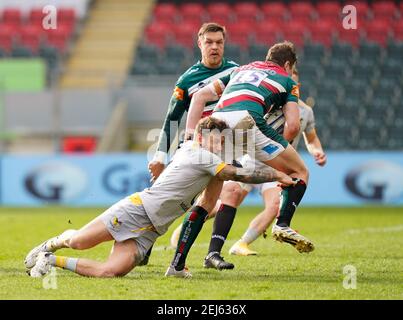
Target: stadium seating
<point>348,72</point>
<point>22,34</point>
<point>78,144</point>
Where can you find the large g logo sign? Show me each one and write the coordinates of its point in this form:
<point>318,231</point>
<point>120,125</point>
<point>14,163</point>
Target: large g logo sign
<point>56,182</point>
<point>378,181</point>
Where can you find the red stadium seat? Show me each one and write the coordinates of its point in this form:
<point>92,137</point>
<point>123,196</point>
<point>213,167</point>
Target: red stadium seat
<point>36,16</point>
<point>165,9</point>
<point>192,12</point>
<point>158,33</point>
<point>246,12</point>
<point>398,30</point>
<point>328,7</point>
<point>58,38</point>
<point>305,20</point>
<point>166,12</point>
<point>329,11</point>
<point>220,12</point>
<point>7,36</point>
<point>31,37</point>
<point>322,31</point>
<point>186,34</point>
<point>79,144</point>
<point>384,7</point>
<point>267,33</point>
<point>296,33</point>
<point>378,31</point>
<point>12,16</point>
<point>66,16</point>
<point>274,11</point>
<point>352,36</point>
<point>301,9</point>
<point>362,8</point>
<point>240,33</point>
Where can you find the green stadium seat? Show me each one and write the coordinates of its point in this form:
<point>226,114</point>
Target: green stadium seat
<point>21,52</point>
<point>314,51</point>
<point>169,68</point>
<point>370,51</point>
<point>340,50</point>
<point>175,53</point>
<point>257,52</point>
<point>50,54</point>
<point>233,52</point>
<point>143,68</point>
<point>395,50</point>
<point>148,52</point>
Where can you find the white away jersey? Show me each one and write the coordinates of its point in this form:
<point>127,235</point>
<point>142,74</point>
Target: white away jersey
<point>307,121</point>
<point>185,177</point>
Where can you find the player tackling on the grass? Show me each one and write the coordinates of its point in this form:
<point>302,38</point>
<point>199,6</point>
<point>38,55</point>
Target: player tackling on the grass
<point>135,222</point>
<point>250,92</point>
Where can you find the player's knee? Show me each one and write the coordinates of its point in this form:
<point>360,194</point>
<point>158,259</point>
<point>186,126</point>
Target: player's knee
<point>302,172</point>
<point>107,271</point>
<point>77,243</point>
<point>232,194</point>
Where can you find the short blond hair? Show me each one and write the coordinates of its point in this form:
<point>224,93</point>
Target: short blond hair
<point>210,123</point>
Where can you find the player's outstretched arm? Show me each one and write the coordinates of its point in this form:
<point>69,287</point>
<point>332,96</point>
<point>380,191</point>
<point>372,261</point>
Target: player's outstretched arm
<point>209,93</point>
<point>263,175</point>
<point>292,122</point>
<point>314,147</point>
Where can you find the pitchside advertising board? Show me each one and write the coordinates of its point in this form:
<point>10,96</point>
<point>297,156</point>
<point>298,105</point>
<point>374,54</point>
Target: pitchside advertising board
<point>349,178</point>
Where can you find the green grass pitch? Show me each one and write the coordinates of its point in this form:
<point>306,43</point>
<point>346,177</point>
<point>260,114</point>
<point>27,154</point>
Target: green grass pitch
<point>370,239</point>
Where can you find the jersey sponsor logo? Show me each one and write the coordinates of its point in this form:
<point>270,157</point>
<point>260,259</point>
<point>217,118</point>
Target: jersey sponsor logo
<point>271,148</point>
<point>295,91</point>
<point>178,93</point>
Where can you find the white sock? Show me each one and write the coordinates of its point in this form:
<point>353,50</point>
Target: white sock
<point>60,241</point>
<point>250,235</point>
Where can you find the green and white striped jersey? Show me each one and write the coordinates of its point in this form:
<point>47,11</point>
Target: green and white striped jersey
<point>258,87</point>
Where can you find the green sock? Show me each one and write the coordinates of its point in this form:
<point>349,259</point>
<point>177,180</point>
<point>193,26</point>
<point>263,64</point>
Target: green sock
<point>191,227</point>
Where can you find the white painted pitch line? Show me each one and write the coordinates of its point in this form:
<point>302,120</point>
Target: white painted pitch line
<point>396,228</point>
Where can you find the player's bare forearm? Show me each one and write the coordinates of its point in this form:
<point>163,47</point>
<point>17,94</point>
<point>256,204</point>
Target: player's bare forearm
<point>256,177</point>
<point>314,147</point>
<point>292,118</point>
<point>199,100</point>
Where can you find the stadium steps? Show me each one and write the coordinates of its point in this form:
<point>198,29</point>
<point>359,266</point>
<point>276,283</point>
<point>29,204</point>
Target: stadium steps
<point>104,51</point>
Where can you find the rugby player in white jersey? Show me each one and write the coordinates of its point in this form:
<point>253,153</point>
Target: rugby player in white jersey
<point>135,222</point>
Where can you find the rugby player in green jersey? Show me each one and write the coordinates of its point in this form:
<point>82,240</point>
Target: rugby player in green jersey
<point>212,66</point>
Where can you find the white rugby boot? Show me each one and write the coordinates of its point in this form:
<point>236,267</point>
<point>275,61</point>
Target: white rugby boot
<point>184,273</point>
<point>241,248</point>
<point>50,245</point>
<point>42,266</point>
<point>288,235</point>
